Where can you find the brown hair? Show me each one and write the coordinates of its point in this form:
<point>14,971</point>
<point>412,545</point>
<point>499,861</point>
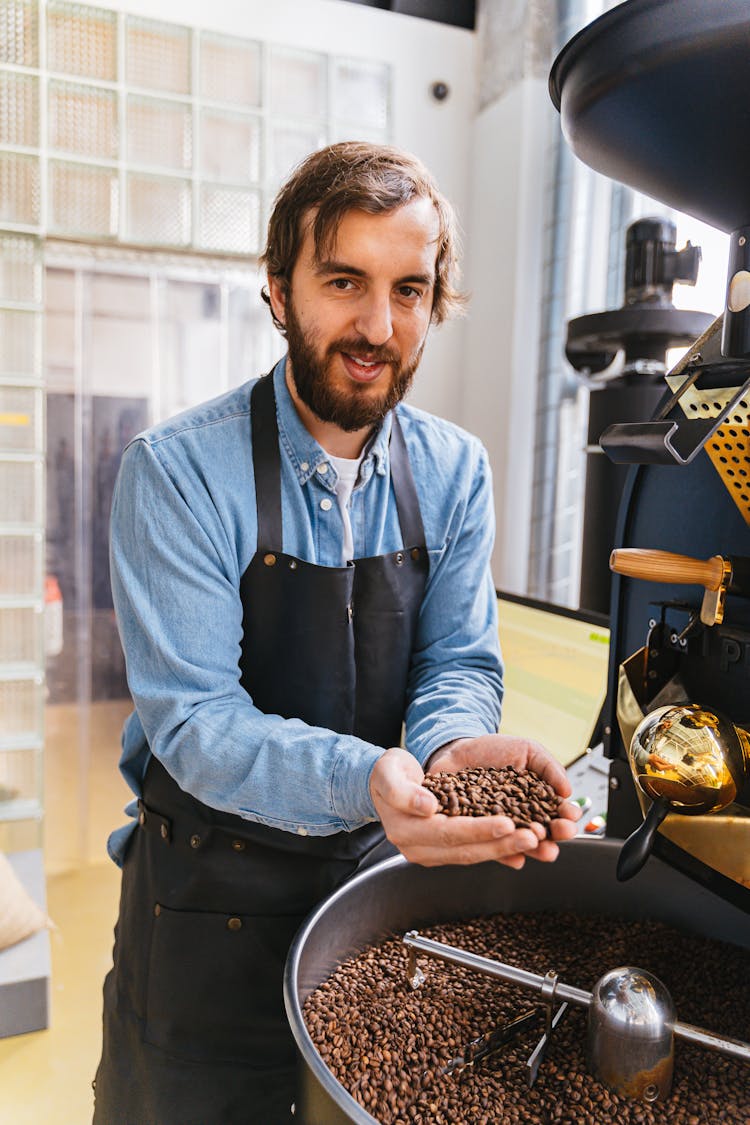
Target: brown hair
<point>354,175</point>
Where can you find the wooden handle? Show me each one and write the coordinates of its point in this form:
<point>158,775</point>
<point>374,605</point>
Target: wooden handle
<point>663,566</point>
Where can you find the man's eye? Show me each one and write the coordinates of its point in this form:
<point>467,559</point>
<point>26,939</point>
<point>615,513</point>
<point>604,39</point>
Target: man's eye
<point>341,283</point>
<point>410,292</point>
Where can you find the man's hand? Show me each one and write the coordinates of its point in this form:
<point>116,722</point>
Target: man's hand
<point>411,822</point>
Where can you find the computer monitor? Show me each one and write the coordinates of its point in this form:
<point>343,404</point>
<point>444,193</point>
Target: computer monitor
<point>556,663</point>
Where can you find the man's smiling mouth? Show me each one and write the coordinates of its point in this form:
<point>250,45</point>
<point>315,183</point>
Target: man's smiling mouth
<point>362,370</point>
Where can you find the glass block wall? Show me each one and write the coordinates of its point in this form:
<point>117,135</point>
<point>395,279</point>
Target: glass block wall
<point>22,594</point>
<point>124,129</point>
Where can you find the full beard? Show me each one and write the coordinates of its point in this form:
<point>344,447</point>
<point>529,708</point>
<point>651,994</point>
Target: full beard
<point>357,407</point>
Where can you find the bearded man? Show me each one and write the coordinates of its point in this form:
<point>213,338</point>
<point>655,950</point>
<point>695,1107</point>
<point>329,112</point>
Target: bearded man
<point>301,578</point>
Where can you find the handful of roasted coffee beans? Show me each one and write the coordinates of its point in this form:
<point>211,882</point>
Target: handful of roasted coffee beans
<point>521,795</point>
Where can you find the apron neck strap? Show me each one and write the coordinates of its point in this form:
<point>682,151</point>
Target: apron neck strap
<point>404,489</point>
<point>266,463</point>
<point>267,468</point>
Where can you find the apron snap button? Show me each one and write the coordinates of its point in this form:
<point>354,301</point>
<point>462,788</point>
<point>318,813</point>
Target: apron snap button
<point>163,830</point>
<point>399,559</point>
<point>157,910</point>
<point>195,841</point>
<point>141,817</point>
<point>238,845</point>
<point>234,924</point>
<point>269,560</point>
<point>293,564</point>
<point>415,553</point>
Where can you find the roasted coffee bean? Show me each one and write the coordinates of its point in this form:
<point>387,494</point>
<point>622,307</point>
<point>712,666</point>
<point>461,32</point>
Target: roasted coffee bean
<point>395,1042</point>
<point>521,795</point>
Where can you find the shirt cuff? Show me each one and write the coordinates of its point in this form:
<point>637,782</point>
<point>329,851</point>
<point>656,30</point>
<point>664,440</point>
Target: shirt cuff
<point>350,784</point>
<point>468,727</point>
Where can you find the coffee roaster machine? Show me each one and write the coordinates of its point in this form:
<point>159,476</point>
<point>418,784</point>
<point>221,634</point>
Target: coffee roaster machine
<point>654,95</point>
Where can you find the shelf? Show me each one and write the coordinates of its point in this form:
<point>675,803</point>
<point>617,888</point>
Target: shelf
<point>25,740</point>
<point>21,808</point>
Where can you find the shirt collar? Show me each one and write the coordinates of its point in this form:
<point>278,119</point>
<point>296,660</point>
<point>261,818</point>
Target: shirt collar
<point>304,451</point>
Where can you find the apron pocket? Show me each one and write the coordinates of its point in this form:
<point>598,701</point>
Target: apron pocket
<point>215,987</point>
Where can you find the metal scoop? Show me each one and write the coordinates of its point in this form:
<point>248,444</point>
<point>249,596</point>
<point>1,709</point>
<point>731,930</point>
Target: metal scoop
<point>631,1019</point>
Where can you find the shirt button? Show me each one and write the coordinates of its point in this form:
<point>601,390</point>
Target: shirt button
<point>234,924</point>
<point>301,831</point>
<point>326,504</point>
<point>304,466</point>
<point>323,468</point>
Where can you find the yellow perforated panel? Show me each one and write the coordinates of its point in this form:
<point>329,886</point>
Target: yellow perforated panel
<point>729,448</point>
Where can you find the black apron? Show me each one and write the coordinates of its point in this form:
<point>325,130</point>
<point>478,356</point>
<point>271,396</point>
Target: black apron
<point>195,1031</point>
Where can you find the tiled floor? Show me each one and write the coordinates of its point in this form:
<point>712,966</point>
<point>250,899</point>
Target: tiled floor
<point>45,1076</point>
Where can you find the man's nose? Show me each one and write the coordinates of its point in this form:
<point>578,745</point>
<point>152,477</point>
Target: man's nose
<point>374,320</point>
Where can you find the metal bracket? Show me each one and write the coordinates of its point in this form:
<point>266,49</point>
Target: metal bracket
<point>414,974</point>
<point>536,1057</point>
<point>671,441</point>
<point>487,1045</point>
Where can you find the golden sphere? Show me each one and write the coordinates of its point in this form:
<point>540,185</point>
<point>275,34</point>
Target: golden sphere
<point>691,755</point>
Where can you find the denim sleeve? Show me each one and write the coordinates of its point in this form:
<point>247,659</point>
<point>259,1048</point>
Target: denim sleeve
<point>176,594</point>
<point>456,682</point>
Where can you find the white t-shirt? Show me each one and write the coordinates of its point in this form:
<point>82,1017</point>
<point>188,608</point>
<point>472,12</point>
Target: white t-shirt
<point>348,471</point>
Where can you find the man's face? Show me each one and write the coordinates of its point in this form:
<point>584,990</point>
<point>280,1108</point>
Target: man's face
<point>357,321</point>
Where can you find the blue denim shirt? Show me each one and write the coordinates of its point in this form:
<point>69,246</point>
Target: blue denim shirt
<point>183,532</point>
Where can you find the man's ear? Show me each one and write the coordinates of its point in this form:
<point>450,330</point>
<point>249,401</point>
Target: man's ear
<point>277,291</point>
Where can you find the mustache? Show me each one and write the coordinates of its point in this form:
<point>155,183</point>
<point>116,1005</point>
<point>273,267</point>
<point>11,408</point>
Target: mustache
<point>362,349</point>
